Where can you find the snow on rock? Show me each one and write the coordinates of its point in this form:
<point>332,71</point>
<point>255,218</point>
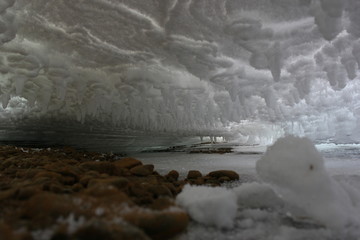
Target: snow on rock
<point>212,206</point>
<point>296,171</point>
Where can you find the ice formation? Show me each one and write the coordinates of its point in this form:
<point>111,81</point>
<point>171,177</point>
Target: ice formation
<point>296,170</point>
<point>184,67</point>
<point>294,193</point>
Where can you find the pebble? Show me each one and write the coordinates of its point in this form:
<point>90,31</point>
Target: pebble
<point>49,189</point>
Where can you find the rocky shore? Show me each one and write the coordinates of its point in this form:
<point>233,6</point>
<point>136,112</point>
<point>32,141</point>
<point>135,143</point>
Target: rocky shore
<point>65,194</point>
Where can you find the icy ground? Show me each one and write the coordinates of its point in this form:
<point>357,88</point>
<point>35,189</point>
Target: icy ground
<point>288,204</point>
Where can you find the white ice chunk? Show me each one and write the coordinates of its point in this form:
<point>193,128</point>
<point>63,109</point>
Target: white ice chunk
<point>213,206</point>
<point>296,170</point>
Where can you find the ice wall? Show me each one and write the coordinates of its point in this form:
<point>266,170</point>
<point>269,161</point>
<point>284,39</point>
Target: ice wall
<point>183,67</point>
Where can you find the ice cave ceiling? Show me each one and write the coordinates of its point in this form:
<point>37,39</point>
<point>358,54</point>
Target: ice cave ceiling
<point>185,67</point>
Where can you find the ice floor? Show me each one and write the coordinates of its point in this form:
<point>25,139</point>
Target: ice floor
<point>339,160</point>
<point>183,162</point>
<point>259,215</point>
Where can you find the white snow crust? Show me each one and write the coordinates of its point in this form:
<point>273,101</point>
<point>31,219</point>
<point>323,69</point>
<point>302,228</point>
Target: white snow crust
<point>209,205</point>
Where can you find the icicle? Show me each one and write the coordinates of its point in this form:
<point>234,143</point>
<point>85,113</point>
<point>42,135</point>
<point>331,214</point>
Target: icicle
<point>350,66</point>
<point>78,115</point>
<point>19,85</point>
<point>274,56</point>
<point>61,88</point>
<point>5,98</point>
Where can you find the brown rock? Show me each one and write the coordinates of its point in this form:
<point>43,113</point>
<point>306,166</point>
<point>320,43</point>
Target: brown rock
<point>43,209</point>
<point>6,232</point>
<point>140,195</point>
<point>159,190</point>
<point>159,224</point>
<point>171,187</point>
<point>10,193</point>
<point>98,166</point>
<point>179,183</point>
<point>173,176</point>
<point>67,180</point>
<point>118,182</point>
<point>138,190</point>
<point>127,163</point>
<point>64,168</point>
<point>199,181</point>
<point>27,192</point>
<point>77,187</point>
<point>56,188</point>
<point>213,182</point>
<point>143,170</point>
<point>61,233</point>
<point>96,230</point>
<point>224,173</point>
<point>162,203</point>
<point>224,179</point>
<point>193,174</point>
<point>27,173</point>
<point>47,174</point>
<point>108,195</point>
<point>84,180</point>
<point>93,233</point>
<point>151,179</point>
<point>149,167</point>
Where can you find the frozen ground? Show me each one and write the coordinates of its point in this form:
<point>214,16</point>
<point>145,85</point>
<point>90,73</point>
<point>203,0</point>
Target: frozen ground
<point>322,206</point>
<point>341,159</point>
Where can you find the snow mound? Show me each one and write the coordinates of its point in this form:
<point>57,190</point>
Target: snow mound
<point>257,195</point>
<point>296,171</point>
<point>212,206</point>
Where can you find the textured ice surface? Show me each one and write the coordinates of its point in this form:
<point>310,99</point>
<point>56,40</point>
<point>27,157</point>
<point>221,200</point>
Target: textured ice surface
<point>184,67</point>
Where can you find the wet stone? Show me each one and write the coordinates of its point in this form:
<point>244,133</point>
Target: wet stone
<point>143,170</point>
<point>172,176</point>
<point>159,225</point>
<point>127,163</point>
<point>159,190</point>
<point>98,166</point>
<point>224,173</point>
<point>47,189</point>
<point>193,174</point>
<point>118,182</point>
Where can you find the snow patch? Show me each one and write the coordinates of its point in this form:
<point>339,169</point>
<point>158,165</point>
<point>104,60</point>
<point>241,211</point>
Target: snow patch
<point>213,206</point>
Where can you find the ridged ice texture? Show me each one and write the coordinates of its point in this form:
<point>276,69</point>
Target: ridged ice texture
<point>183,66</point>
